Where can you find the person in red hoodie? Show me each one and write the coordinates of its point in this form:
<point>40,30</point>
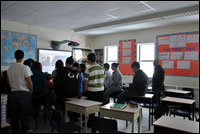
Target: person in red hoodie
<point>49,83</point>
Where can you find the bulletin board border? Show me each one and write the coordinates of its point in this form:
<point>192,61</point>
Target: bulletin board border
<point>134,53</point>
<point>192,32</point>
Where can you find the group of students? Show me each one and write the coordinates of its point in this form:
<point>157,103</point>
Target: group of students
<point>71,80</point>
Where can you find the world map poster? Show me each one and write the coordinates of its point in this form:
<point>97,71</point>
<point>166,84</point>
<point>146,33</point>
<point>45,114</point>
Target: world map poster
<point>12,41</point>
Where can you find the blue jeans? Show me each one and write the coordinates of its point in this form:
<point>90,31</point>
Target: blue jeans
<point>108,92</point>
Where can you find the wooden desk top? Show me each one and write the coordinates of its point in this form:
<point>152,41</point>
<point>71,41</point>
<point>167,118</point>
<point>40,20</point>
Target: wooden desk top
<point>5,125</point>
<point>178,100</point>
<point>178,91</point>
<point>178,124</point>
<point>82,102</point>
<point>127,109</point>
<point>149,96</point>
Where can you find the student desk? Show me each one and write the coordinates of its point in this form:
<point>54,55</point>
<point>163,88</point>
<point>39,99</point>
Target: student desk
<point>4,127</point>
<point>175,125</point>
<point>128,114</point>
<point>179,101</point>
<point>82,106</point>
<point>175,93</point>
<point>148,98</point>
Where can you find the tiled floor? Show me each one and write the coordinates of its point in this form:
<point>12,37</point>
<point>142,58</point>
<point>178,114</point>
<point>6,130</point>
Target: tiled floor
<point>46,128</point>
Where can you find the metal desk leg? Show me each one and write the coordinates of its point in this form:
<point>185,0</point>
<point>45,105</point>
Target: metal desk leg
<point>133,125</point>
<point>139,118</point>
<point>193,105</point>
<point>80,120</point>
<point>149,117</point>
<point>66,115</point>
<point>152,111</point>
<point>85,123</point>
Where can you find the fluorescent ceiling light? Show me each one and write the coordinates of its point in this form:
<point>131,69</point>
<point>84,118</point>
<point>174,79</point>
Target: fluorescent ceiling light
<point>148,5</point>
<point>111,16</point>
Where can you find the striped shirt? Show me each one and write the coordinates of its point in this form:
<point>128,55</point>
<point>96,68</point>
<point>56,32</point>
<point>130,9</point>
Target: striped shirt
<point>95,76</point>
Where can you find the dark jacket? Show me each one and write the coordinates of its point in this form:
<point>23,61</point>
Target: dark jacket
<point>67,83</point>
<point>158,79</point>
<point>38,80</point>
<point>140,83</point>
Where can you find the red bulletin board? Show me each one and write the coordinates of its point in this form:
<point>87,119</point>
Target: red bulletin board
<point>127,55</point>
<point>179,53</point>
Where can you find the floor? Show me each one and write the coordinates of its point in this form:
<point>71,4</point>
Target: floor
<point>46,128</point>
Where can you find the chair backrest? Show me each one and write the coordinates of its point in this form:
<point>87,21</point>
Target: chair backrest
<point>57,119</point>
<point>102,125</point>
<point>189,89</point>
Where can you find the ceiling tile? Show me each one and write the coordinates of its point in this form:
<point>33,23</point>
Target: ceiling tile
<point>6,4</point>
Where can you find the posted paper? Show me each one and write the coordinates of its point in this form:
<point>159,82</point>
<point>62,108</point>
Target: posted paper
<point>173,41</point>
<point>126,60</point>
<point>168,64</point>
<point>194,38</point>
<point>126,52</point>
<point>176,55</point>
<point>183,64</point>
<point>163,40</point>
<point>126,44</point>
<point>192,55</point>
<point>163,56</point>
<point>182,40</point>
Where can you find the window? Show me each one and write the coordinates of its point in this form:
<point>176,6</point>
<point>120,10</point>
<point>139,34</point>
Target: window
<point>145,56</point>
<point>111,54</point>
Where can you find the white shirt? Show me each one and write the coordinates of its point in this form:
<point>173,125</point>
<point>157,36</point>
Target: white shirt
<point>17,74</point>
<point>108,78</point>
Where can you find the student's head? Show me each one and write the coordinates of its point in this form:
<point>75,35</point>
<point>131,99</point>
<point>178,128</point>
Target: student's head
<point>59,64</point>
<point>28,63</point>
<point>106,66</point>
<point>48,77</point>
<point>115,66</point>
<point>19,55</point>
<point>31,62</point>
<point>91,58</point>
<point>156,62</point>
<point>135,66</point>
<point>37,66</point>
<point>69,61</point>
<point>83,67</point>
<point>77,66</point>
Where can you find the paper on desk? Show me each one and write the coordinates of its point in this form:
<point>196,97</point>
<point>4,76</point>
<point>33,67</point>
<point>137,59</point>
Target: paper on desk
<point>163,56</point>
<point>176,55</point>
<point>168,64</point>
<point>183,64</point>
<point>163,40</point>
<point>192,55</point>
<point>194,38</point>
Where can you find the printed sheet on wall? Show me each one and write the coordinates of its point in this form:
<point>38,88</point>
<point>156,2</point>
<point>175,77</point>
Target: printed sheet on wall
<point>179,53</point>
<point>127,55</point>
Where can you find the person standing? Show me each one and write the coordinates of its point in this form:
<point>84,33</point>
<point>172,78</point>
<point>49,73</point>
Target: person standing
<point>115,85</point>
<point>158,86</point>
<point>19,79</point>
<point>108,76</point>
<point>94,79</point>
<point>59,65</point>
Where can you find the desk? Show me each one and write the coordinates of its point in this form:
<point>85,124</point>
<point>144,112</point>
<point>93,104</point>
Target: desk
<point>174,92</point>
<point>128,114</point>
<point>82,106</point>
<point>179,101</point>
<point>4,128</point>
<point>148,98</point>
<point>175,125</point>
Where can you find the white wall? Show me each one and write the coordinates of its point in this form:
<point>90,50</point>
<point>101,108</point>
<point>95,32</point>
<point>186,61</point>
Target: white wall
<point>148,36</point>
<point>44,35</point>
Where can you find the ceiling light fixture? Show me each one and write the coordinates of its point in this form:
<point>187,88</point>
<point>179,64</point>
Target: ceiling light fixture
<point>147,5</point>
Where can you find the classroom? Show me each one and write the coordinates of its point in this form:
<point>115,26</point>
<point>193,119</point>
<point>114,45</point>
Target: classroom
<point>99,66</point>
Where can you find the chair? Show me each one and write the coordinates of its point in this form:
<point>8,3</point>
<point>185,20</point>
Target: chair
<point>102,125</point>
<point>184,112</point>
<point>58,124</point>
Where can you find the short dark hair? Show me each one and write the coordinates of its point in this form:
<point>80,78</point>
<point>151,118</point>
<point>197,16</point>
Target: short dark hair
<point>135,64</point>
<point>91,57</point>
<point>19,54</point>
<point>115,65</point>
<point>28,63</point>
<point>37,65</point>
<point>107,65</point>
<point>59,64</point>
<point>83,67</point>
<point>70,60</point>
<point>76,65</point>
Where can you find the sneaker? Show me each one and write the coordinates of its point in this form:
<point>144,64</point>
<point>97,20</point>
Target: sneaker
<point>30,131</point>
<point>42,107</point>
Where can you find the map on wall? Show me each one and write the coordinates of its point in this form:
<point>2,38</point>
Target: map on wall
<point>12,41</point>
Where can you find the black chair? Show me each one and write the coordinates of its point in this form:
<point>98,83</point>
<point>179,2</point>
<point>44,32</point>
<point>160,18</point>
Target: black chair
<point>184,111</point>
<point>102,125</point>
<point>58,124</point>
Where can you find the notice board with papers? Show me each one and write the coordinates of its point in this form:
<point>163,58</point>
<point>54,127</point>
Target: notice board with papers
<point>179,53</point>
<point>127,55</point>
